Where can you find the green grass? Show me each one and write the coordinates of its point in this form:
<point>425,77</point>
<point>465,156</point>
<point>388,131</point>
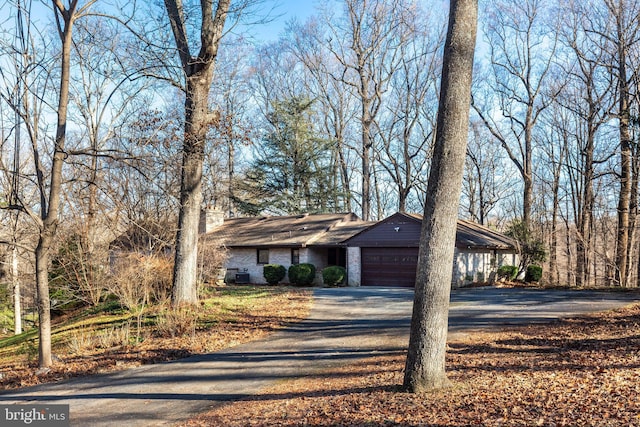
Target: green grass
<point>221,303</point>
<point>88,325</point>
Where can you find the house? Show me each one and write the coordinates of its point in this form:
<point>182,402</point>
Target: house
<point>386,253</point>
<point>253,242</point>
<point>383,253</point>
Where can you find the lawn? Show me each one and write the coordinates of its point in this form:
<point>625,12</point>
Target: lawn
<point>108,337</point>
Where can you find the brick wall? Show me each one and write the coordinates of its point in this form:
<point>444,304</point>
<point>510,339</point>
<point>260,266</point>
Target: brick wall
<point>246,261</point>
<point>353,266</point>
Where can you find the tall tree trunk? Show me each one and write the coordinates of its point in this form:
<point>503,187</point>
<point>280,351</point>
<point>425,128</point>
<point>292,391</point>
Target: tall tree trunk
<point>42,299</point>
<point>196,125</point>
<point>198,71</point>
<point>527,170</point>
<point>425,365</point>
<point>624,117</point>
<point>231,176</point>
<point>87,247</point>
<point>633,218</point>
<point>50,211</point>
<point>568,255</point>
<point>624,196</point>
<point>50,222</point>
<point>553,250</point>
<point>402,200</point>
<point>366,161</point>
<point>583,243</point>
<point>344,177</point>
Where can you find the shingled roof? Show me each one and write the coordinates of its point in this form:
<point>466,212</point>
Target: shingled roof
<point>469,235</point>
<point>472,235</point>
<point>287,231</point>
<point>335,229</point>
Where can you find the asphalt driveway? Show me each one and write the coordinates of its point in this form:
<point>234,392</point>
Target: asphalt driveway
<point>344,324</point>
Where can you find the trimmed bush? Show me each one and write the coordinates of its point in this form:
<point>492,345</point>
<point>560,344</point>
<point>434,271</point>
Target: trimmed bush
<point>508,272</point>
<point>302,274</point>
<point>534,273</point>
<point>333,275</point>
<point>274,273</point>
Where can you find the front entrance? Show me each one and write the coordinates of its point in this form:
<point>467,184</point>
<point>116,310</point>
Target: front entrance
<point>389,266</point>
<point>337,256</point>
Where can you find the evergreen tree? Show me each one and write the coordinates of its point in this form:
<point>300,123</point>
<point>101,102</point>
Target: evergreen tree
<point>291,172</point>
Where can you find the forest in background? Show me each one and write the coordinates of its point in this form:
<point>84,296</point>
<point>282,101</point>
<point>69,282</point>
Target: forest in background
<point>336,115</point>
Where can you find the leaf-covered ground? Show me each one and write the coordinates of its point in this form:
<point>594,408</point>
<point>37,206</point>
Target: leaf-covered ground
<point>105,342</point>
<point>583,371</point>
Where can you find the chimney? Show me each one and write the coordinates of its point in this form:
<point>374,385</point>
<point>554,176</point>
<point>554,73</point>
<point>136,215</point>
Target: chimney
<point>210,219</point>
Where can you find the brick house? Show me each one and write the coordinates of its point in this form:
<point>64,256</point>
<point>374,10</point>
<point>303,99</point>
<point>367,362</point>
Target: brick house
<point>383,253</point>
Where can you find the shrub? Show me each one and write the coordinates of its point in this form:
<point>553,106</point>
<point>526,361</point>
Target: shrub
<point>302,274</point>
<point>77,274</point>
<point>531,247</point>
<point>274,273</point>
<point>138,279</point>
<point>113,336</point>
<point>178,322</point>
<point>508,272</point>
<point>333,275</point>
<point>534,273</point>
<point>212,256</point>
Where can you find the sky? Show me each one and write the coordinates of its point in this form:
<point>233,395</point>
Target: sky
<point>283,12</point>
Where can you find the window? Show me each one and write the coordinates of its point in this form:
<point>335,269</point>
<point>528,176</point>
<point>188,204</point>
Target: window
<point>295,256</point>
<point>263,256</point>
<point>337,256</point>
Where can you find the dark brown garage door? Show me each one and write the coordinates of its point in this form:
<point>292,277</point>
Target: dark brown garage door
<point>389,266</point>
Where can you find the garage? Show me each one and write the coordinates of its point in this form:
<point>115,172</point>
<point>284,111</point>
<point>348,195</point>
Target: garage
<point>389,266</point>
<point>386,252</point>
<point>389,251</point>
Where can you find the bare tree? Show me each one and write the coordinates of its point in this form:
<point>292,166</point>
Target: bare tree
<point>587,95</point>
<point>14,96</point>
<point>231,96</point>
<point>425,365</point>
<point>603,36</point>
<point>485,182</point>
<point>365,43</point>
<point>622,37</point>
<point>522,45</point>
<point>198,73</point>
<point>307,43</point>
<point>47,166</point>
<point>407,123</point>
<point>65,15</point>
<point>105,90</point>
<point>556,144</point>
